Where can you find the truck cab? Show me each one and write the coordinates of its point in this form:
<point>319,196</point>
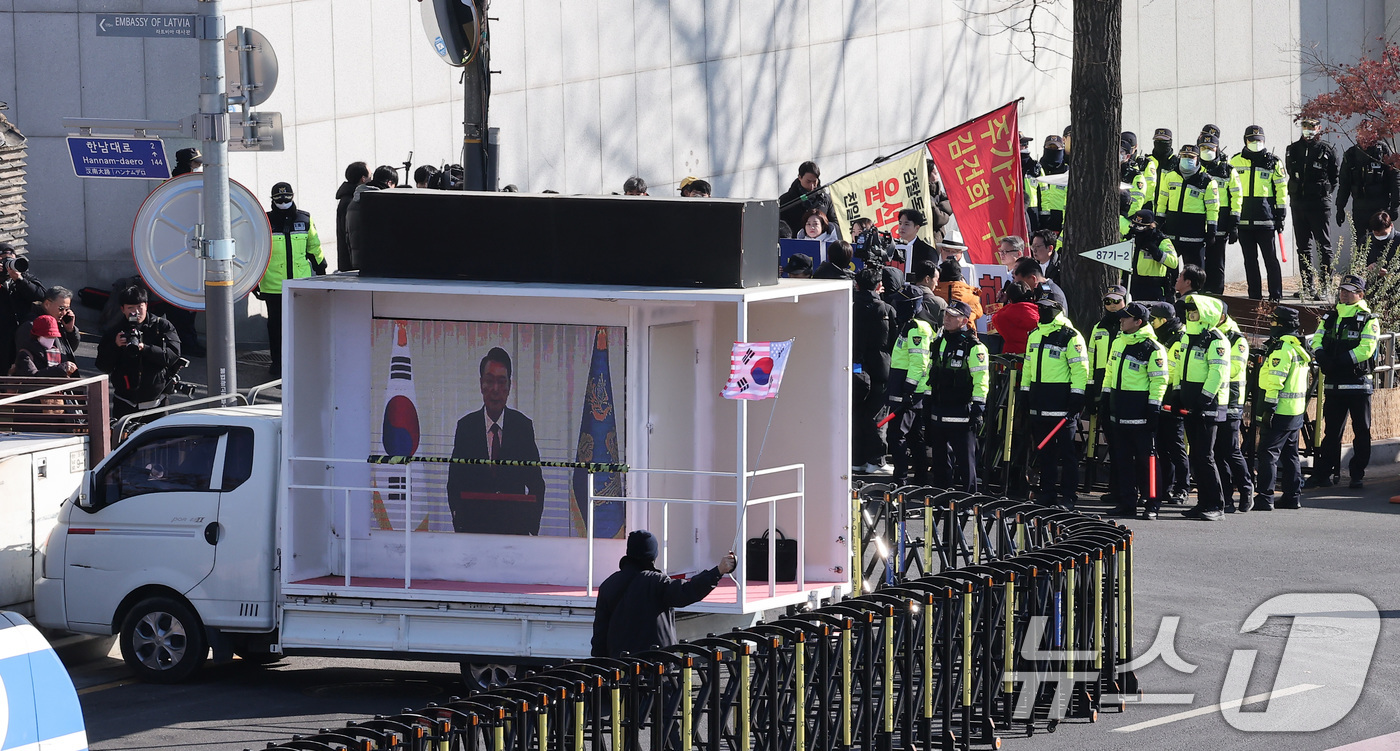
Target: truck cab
<point>171,541</point>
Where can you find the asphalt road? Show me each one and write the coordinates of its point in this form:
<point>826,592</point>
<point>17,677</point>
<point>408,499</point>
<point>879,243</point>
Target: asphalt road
<point>1210,576</point>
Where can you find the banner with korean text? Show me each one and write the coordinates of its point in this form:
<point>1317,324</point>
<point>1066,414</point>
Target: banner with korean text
<point>980,165</point>
<point>879,193</point>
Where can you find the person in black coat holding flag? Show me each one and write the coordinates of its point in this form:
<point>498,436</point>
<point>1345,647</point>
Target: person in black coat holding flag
<point>636,605</point>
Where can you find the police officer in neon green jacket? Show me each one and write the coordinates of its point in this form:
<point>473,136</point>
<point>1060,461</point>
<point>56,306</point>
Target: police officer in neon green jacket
<point>1134,385</point>
<point>1345,347</point>
<point>1053,380</point>
<point>296,254</point>
<point>1053,161</point>
<point>958,380</point>
<point>1188,206</point>
<point>1229,454</point>
<point>1263,207</point>
<point>906,392</point>
<point>1203,390</point>
<point>1154,257</point>
<point>1283,379</point>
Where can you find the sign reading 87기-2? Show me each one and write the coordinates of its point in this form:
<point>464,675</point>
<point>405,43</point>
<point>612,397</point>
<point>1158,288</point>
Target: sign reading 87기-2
<point>1117,255</point>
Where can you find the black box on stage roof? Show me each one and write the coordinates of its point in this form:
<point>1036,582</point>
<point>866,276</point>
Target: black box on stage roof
<point>556,239</point>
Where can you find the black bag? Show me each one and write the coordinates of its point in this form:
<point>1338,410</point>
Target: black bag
<point>756,558</point>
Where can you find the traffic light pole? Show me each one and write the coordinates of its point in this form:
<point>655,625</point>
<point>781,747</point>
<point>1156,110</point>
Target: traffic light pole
<point>218,235</point>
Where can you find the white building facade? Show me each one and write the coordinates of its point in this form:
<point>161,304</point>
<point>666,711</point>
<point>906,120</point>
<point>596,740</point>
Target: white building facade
<point>592,91</point>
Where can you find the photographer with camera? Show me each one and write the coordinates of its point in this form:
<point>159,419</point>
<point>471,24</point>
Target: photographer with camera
<point>18,291</point>
<point>58,304</point>
<point>141,353</point>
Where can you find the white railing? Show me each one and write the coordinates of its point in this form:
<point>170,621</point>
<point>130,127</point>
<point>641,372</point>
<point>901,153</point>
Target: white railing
<point>741,508</point>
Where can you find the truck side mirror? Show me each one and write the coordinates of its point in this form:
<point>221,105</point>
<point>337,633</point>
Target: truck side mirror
<point>84,499</point>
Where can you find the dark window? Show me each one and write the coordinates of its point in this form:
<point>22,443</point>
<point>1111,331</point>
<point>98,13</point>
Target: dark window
<point>238,458</point>
<point>162,463</point>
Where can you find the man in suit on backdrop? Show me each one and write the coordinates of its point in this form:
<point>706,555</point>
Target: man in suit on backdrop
<point>489,499</point>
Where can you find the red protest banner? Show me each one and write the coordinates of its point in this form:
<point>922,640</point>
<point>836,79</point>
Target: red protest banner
<point>980,165</point>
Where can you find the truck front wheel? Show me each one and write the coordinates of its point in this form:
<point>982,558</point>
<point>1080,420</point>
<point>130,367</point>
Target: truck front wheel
<point>162,641</point>
<point>484,676</point>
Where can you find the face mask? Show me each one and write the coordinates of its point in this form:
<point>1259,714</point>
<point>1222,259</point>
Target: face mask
<point>1188,164</point>
<point>47,342</point>
<point>1053,157</point>
<point>282,206</point>
<point>1277,331</point>
<point>1309,133</point>
<point>1047,314</point>
<point>1025,149</point>
<point>1208,155</point>
<point>1161,149</point>
<point>1255,145</point>
<point>1380,237</point>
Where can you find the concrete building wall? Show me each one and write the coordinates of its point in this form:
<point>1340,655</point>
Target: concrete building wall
<point>592,91</point>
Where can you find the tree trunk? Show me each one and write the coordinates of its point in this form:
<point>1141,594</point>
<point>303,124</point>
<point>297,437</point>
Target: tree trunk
<point>1096,108</point>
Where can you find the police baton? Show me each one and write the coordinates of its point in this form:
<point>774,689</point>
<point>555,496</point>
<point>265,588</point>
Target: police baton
<point>887,419</point>
<point>1283,255</point>
<point>1055,430</point>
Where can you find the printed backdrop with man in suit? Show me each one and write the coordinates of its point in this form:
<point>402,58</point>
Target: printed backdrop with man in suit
<point>505,391</point>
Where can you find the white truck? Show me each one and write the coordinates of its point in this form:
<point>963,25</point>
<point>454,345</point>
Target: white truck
<point>267,530</point>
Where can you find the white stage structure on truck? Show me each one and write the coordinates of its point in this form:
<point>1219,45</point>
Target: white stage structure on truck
<point>395,366</point>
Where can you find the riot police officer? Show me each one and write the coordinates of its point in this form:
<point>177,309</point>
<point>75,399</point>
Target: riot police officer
<point>1100,342</point>
<point>1312,176</point>
<point>1230,463</point>
<point>958,379</point>
<point>1161,161</point>
<point>1345,350</point>
<point>1134,383</point>
<point>1053,379</point>
<point>1154,257</point>
<point>1173,469</point>
<point>1202,381</point>
<point>908,389</point>
<point>1263,208</point>
<point>1053,161</point>
<point>1130,173</point>
<point>1188,206</point>
<point>1283,381</point>
<point>1227,232</point>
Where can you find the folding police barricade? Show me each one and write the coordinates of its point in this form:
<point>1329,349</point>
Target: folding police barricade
<point>585,694</point>
<point>1017,582</point>
<point>511,730</point>
<point>1039,660</point>
<point>1043,525</point>
<point>996,527</point>
<point>874,550</point>
<point>984,651</point>
<point>827,662</point>
<point>454,727</point>
<point>999,433</point>
<point>672,710</point>
<point>914,526</point>
<point>726,693</point>
<point>1108,545</point>
<point>542,703</point>
<point>379,740</point>
<point>937,662</point>
<point>871,621</point>
<point>1083,628</point>
<point>900,673</point>
<point>780,686</point>
<point>616,676</point>
<point>413,734</point>
<point>942,531</point>
<point>953,650</point>
<point>980,548</point>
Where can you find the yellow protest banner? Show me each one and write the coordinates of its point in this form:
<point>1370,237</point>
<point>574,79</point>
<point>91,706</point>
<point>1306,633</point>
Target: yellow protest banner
<point>879,193</point>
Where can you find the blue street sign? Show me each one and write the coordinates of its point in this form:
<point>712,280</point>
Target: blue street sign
<point>111,156</point>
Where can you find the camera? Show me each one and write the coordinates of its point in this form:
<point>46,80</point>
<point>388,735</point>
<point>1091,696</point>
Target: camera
<point>873,246</point>
<point>133,331</point>
<point>175,385</point>
<point>18,263</point>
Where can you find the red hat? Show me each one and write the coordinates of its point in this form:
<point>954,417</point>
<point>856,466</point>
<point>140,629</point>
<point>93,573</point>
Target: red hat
<point>45,325</point>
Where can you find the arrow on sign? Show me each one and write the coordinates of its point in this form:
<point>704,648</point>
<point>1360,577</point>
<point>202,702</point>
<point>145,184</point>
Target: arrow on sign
<point>102,24</point>
<point>1117,255</point>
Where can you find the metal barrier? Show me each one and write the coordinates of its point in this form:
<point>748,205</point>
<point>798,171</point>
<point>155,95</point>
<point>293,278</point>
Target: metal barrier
<point>57,405</point>
<point>987,617</point>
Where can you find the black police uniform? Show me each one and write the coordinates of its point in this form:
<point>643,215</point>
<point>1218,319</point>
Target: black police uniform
<point>1369,184</point>
<point>1312,176</point>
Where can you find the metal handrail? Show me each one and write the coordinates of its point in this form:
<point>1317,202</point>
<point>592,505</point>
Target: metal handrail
<point>119,428</point>
<point>256,391</point>
<point>741,509</point>
<point>65,386</point>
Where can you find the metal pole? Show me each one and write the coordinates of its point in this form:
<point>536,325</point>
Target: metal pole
<point>218,236</point>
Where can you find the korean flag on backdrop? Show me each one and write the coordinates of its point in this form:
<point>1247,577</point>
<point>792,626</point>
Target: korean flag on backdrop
<point>756,369</point>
